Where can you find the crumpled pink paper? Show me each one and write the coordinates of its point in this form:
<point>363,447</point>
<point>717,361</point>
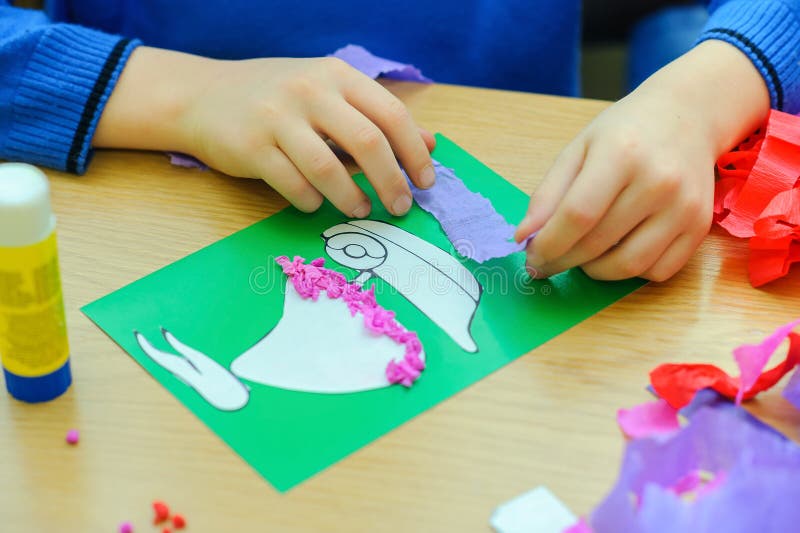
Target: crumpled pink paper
<point>312,279</point>
<point>648,419</point>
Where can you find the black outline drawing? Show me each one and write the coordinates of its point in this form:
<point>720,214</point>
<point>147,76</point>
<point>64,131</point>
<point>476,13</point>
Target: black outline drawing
<point>377,238</point>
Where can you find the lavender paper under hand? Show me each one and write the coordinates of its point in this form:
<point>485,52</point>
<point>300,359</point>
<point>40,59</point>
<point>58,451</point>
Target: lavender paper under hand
<point>373,66</point>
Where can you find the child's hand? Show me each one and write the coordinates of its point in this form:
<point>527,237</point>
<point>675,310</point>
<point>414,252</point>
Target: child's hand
<point>632,195</point>
<point>270,119</point>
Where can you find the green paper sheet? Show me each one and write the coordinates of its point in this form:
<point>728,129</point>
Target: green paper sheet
<point>229,296</point>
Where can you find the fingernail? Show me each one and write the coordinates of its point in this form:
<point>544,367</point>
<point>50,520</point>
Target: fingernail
<point>525,220</point>
<point>535,274</point>
<point>534,258</point>
<point>427,177</point>
<point>362,210</point>
<point>401,205</point>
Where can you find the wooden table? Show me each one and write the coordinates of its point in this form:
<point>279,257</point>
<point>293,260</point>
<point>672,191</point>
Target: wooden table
<point>548,418</point>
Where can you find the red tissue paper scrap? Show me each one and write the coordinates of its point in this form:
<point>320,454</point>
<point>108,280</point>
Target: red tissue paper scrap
<point>756,196</point>
<point>677,384</point>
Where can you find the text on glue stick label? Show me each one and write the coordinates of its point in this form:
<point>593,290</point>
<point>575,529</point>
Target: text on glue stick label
<point>33,332</point>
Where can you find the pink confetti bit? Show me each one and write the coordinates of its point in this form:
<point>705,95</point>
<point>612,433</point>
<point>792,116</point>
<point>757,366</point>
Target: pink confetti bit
<point>310,280</point>
<point>697,484</point>
<point>752,358</point>
<point>73,436</point>
<point>648,419</point>
<point>126,527</point>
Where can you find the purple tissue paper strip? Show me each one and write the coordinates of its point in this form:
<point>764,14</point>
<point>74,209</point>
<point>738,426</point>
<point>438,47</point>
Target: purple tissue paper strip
<point>373,66</point>
<point>186,161</point>
<point>753,468</point>
<point>468,218</point>
<point>792,390</point>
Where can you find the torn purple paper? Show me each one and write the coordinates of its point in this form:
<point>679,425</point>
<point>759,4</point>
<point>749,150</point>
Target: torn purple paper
<point>724,471</point>
<point>373,66</point>
<point>792,390</point>
<point>186,161</point>
<point>468,219</point>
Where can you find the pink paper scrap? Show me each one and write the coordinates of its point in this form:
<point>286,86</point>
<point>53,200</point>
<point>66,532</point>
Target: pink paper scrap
<point>311,280</point>
<point>648,419</point>
<point>752,358</point>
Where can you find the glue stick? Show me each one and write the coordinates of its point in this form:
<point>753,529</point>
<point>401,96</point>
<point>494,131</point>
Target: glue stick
<point>33,333</point>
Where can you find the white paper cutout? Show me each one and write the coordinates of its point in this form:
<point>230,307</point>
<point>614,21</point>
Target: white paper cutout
<point>536,511</point>
<point>318,346</point>
<point>211,380</point>
<point>428,277</point>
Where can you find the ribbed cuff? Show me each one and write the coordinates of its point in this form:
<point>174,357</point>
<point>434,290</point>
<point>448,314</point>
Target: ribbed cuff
<point>62,94</point>
<point>768,32</point>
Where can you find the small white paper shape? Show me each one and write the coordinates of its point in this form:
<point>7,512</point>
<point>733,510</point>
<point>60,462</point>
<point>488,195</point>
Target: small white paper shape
<point>536,511</point>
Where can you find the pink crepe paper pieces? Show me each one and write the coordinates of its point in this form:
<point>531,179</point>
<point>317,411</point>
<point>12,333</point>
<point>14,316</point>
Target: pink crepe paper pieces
<point>310,280</point>
<point>678,383</point>
<point>752,358</point>
<point>756,197</point>
<point>648,419</point>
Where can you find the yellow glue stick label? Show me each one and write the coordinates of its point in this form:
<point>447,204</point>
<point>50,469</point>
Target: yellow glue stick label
<point>33,332</point>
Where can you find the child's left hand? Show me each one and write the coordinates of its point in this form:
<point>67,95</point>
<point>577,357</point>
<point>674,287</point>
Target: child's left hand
<point>633,194</point>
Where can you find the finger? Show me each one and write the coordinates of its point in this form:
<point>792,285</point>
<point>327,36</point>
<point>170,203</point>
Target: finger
<point>281,174</point>
<point>633,205</point>
<point>395,121</point>
<point>552,189</point>
<point>638,252</point>
<point>363,140</point>
<point>674,258</point>
<point>428,139</point>
<point>589,197</point>
<point>315,160</point>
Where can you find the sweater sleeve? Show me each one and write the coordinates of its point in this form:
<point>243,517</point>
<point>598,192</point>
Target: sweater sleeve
<point>55,80</point>
<point>768,32</point>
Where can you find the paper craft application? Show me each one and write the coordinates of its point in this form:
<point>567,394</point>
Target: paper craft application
<point>294,385</point>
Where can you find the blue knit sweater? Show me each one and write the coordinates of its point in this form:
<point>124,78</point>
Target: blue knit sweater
<point>58,68</point>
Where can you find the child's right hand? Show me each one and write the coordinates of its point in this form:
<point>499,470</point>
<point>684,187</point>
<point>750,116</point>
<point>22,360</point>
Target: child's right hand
<point>270,119</point>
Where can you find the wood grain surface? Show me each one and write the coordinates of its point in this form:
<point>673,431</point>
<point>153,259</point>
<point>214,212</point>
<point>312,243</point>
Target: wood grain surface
<point>547,418</point>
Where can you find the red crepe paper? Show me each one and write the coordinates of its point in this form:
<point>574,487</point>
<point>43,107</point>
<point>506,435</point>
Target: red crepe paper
<point>678,383</point>
<point>756,196</point>
<point>777,242</point>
